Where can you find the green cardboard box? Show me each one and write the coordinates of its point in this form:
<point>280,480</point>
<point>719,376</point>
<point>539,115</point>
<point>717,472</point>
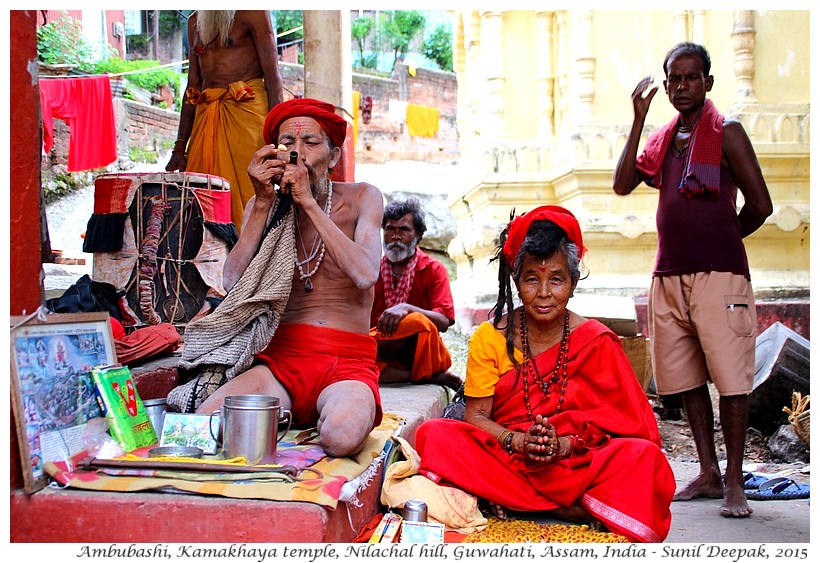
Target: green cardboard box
<point>128,421</point>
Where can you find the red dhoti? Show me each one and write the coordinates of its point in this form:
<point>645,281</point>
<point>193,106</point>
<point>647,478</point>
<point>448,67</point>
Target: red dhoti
<point>306,359</point>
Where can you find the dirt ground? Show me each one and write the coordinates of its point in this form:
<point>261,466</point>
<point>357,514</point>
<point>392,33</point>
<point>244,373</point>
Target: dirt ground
<point>679,445</point>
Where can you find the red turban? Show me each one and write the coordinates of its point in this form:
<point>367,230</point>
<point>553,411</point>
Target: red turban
<point>518,227</point>
<point>334,125</point>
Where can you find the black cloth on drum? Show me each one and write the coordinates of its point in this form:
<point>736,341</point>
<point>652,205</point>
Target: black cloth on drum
<point>225,231</point>
<point>104,232</point>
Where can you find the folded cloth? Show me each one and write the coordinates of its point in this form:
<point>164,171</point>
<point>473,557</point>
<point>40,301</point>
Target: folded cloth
<point>397,111</point>
<point>422,121</point>
<point>321,483</point>
<point>241,91</point>
<point>146,342</point>
<point>86,104</point>
<point>456,509</point>
<point>702,168</point>
<point>431,356</point>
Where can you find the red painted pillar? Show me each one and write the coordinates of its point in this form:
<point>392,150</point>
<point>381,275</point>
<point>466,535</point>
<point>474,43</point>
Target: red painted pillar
<point>25,291</point>
<point>25,143</point>
<point>345,168</point>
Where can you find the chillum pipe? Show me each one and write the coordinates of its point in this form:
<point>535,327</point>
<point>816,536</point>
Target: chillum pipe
<point>294,157</point>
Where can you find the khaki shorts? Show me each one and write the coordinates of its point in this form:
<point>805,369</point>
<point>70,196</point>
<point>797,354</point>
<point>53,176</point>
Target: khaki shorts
<point>702,328</point>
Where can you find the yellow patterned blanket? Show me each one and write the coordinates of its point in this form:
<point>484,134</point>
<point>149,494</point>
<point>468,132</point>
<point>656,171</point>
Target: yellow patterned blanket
<point>303,472</point>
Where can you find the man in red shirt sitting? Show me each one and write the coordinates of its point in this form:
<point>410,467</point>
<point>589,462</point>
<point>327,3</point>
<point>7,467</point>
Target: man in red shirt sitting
<point>412,304</point>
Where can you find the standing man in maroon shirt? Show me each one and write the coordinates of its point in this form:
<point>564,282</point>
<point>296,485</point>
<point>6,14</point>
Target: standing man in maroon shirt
<point>702,311</point>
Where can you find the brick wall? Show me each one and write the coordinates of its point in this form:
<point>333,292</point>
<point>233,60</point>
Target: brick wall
<point>382,140</point>
<point>147,127</point>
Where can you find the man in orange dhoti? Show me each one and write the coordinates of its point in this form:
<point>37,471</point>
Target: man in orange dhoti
<point>413,303</point>
<point>233,81</point>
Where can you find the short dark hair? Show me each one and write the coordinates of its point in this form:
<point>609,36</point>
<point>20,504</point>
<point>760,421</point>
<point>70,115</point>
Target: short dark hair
<point>687,48</point>
<point>397,209</point>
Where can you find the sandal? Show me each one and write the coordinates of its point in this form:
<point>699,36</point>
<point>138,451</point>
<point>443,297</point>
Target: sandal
<point>779,488</point>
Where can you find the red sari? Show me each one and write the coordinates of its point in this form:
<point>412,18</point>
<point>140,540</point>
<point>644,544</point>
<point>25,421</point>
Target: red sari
<point>624,480</point>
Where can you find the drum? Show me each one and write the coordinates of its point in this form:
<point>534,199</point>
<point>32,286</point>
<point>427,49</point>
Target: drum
<point>162,239</point>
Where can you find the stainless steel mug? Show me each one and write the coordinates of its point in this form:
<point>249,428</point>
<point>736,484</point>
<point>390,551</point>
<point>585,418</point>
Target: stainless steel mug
<point>156,413</point>
<point>415,510</point>
<point>249,427</point>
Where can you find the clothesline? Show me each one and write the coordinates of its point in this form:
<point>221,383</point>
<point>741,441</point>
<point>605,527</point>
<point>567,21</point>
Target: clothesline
<point>184,61</point>
<point>151,69</point>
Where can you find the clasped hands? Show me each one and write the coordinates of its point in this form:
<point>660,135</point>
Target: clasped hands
<point>541,442</point>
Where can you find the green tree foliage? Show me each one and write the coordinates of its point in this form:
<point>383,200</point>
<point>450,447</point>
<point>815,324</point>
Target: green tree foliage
<point>399,27</point>
<point>62,42</point>
<point>438,47</point>
<point>360,29</point>
<point>285,20</point>
<point>150,80</point>
<point>172,20</point>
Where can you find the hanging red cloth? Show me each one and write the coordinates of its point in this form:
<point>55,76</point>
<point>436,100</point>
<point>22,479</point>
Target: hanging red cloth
<point>86,104</point>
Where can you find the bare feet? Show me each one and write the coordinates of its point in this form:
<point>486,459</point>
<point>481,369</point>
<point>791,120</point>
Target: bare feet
<point>498,511</point>
<point>448,379</point>
<point>577,514</point>
<point>735,504</point>
<point>708,485</point>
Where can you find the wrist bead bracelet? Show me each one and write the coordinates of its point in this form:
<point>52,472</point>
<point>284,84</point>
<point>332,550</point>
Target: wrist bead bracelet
<point>508,443</point>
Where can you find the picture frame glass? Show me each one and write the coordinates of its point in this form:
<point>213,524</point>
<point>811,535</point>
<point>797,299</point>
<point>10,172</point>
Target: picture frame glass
<point>53,393</point>
<point>190,430</point>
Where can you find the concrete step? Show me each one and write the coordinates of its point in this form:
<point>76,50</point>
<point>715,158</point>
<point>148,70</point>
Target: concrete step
<point>67,515</point>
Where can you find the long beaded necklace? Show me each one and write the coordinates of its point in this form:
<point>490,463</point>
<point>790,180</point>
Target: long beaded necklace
<point>318,246</point>
<point>558,373</point>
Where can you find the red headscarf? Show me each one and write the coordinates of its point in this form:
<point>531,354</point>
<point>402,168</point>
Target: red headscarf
<point>518,227</point>
<point>334,125</point>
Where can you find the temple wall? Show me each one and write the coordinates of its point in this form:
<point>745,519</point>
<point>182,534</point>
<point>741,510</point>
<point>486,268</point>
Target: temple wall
<point>545,108</point>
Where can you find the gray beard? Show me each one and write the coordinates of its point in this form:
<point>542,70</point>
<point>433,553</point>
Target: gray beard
<point>319,188</point>
<point>397,251</point>
<point>212,24</point>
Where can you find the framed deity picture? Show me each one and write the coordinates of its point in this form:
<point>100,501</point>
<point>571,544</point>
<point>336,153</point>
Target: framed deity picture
<point>53,392</point>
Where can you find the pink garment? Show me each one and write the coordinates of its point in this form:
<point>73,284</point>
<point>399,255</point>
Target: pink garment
<point>703,157</point>
<point>86,104</point>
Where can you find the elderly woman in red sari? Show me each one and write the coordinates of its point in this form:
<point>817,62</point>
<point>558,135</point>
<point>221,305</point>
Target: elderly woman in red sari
<point>555,419</point>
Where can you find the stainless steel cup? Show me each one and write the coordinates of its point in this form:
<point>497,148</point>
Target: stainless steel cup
<point>156,413</point>
<point>415,510</point>
<point>249,427</point>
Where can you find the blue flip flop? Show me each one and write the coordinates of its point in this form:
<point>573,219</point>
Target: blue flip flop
<point>753,481</point>
<point>779,488</point>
